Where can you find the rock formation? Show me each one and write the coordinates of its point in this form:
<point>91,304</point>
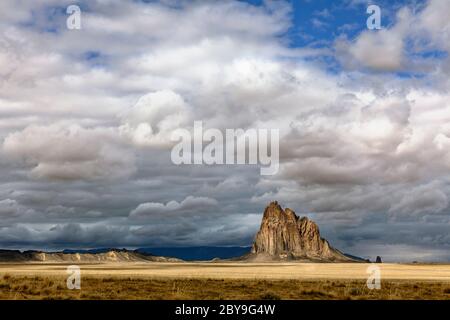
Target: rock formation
<point>112,255</point>
<point>283,235</point>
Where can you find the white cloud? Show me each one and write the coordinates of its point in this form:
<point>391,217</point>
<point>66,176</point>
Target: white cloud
<point>399,47</point>
<point>190,205</point>
<point>151,121</point>
<point>70,152</point>
<point>381,51</point>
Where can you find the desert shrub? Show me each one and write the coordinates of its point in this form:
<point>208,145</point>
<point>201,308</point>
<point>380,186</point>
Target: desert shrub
<point>354,292</point>
<point>338,285</point>
<point>314,293</point>
<point>5,286</point>
<point>269,296</point>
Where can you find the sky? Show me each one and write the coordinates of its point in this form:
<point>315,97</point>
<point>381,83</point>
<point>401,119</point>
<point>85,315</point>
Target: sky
<point>86,118</point>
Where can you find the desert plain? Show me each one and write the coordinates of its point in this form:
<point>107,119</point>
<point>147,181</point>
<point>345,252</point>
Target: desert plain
<point>224,280</point>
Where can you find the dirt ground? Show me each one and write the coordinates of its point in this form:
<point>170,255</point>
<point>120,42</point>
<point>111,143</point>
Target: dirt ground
<point>224,281</point>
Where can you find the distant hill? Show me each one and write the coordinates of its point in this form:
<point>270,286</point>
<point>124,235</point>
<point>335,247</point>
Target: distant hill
<point>356,258</point>
<point>155,254</point>
<point>197,253</point>
<point>87,256</point>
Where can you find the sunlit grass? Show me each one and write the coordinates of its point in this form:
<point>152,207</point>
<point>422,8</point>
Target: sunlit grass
<point>54,287</point>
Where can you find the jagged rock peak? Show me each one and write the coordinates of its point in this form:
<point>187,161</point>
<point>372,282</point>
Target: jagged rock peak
<point>283,235</point>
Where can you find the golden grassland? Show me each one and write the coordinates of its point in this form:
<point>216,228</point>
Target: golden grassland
<point>224,281</point>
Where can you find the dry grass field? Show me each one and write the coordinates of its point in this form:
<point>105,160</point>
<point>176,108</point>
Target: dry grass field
<point>224,281</point>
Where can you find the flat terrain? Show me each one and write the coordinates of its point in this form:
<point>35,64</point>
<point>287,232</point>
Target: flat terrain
<point>224,281</point>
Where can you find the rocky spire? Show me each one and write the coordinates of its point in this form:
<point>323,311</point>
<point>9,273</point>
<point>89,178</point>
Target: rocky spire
<point>283,235</point>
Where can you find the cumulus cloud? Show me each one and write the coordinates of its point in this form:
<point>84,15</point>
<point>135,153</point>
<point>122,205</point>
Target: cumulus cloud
<point>70,152</point>
<point>383,50</point>
<point>403,45</point>
<point>151,121</point>
<point>190,205</point>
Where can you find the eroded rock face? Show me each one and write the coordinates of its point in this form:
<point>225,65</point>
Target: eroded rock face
<point>284,235</point>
